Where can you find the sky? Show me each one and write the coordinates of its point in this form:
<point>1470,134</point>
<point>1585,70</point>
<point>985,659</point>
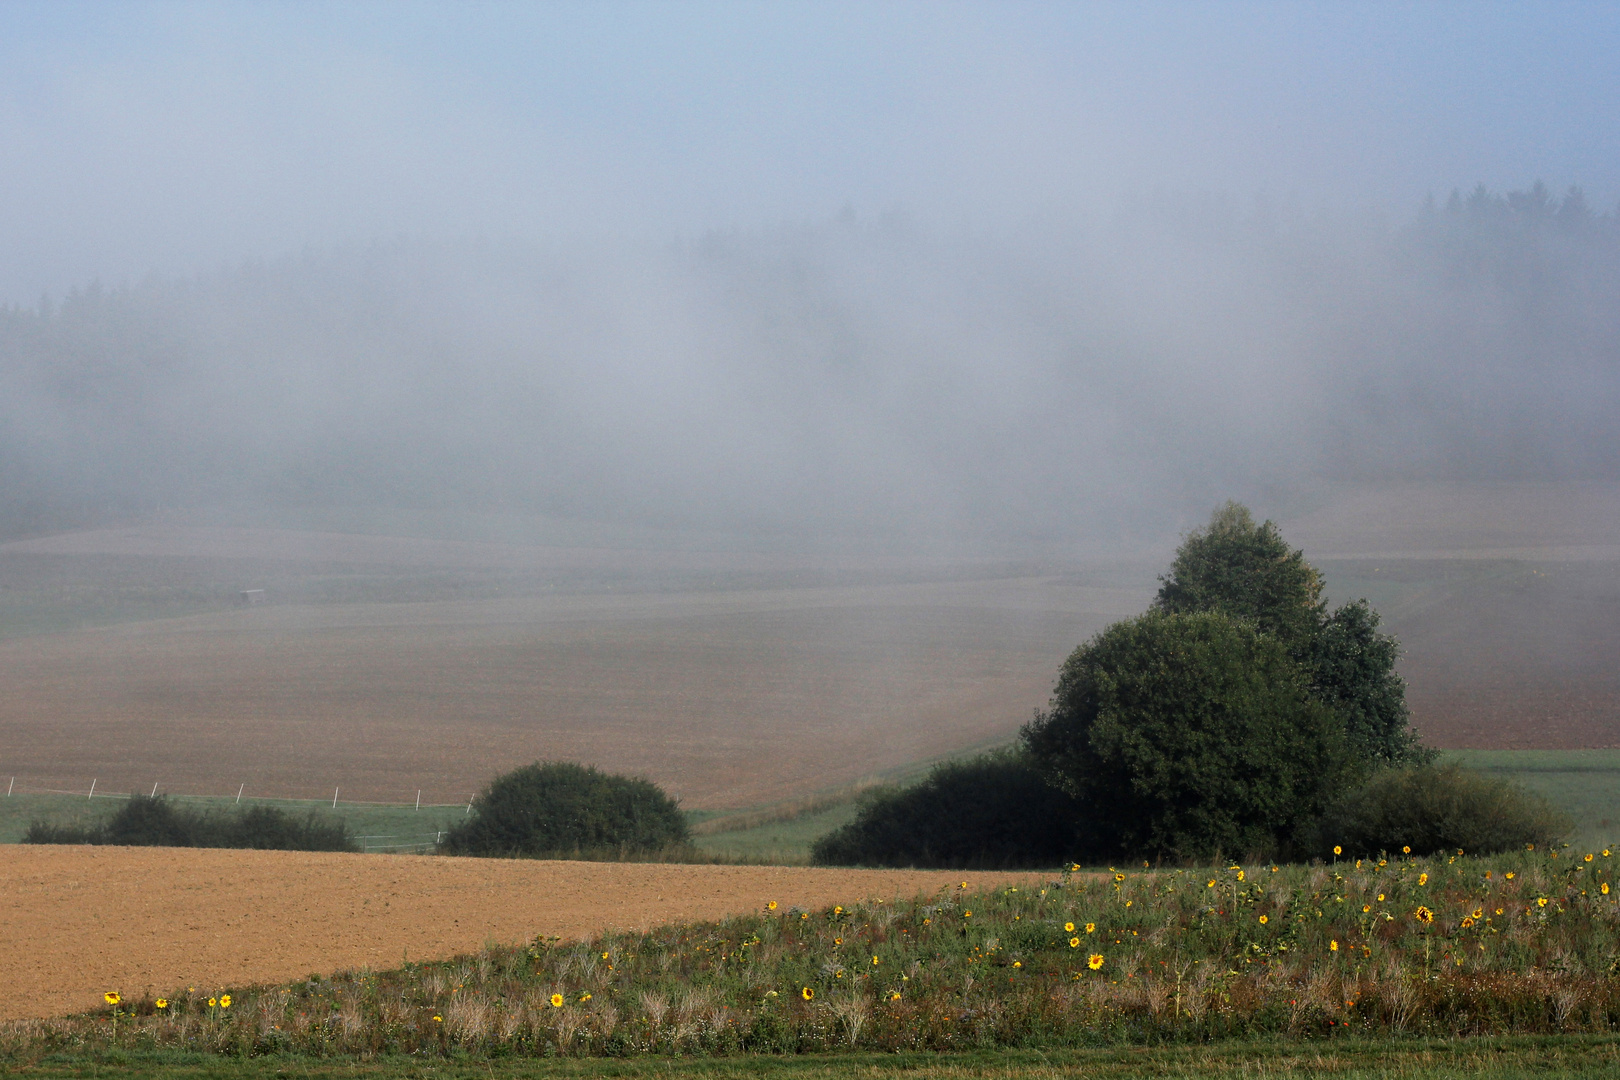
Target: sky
<point>179,138</point>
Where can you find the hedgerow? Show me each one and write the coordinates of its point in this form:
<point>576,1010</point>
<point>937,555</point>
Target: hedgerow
<point>993,811</point>
<point>153,821</point>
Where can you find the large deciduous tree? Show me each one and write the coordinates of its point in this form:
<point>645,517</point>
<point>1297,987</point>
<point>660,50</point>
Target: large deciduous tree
<point>1191,734</point>
<point>1231,714</point>
<point>1244,570</point>
<point>1247,570</point>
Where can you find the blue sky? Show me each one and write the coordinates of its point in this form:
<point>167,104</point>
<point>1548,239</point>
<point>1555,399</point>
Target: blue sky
<point>177,137</point>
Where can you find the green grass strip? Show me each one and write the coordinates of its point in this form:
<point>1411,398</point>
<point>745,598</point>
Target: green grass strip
<point>1385,1059</point>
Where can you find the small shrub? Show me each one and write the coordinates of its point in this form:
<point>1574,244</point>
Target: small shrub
<point>148,821</point>
<point>268,828</point>
<point>46,832</point>
<point>992,812</point>
<point>1441,808</point>
<point>559,808</point>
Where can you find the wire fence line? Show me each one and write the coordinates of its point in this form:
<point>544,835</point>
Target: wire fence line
<point>406,844</point>
<point>96,792</point>
<point>396,843</point>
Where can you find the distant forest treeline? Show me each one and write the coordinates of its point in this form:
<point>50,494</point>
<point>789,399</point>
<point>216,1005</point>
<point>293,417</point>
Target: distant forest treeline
<point>1041,382</point>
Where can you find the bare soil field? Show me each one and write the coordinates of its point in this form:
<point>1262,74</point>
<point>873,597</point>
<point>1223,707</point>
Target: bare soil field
<point>382,665</point>
<point>82,921</point>
<point>1506,599</point>
<point>727,697</point>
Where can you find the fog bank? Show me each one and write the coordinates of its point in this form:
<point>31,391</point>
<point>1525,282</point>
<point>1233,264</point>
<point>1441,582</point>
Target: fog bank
<point>855,377</point>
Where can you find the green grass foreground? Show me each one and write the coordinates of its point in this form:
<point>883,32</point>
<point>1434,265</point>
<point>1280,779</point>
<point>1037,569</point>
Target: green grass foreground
<point>1526,944</point>
<point>1347,1059</point>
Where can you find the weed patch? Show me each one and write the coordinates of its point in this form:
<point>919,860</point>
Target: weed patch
<point>1524,944</point>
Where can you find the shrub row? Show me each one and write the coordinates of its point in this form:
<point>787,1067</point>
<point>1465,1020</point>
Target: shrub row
<point>992,812</point>
<point>996,811</point>
<point>153,821</point>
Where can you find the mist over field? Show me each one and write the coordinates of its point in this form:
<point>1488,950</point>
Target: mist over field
<point>951,277</point>
<point>672,386</point>
<point>849,377</point>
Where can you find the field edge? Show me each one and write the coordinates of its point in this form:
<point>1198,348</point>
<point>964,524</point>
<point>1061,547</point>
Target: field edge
<point>1584,1055</point>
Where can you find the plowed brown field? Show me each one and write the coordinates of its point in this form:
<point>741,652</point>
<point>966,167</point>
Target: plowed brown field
<point>81,921</point>
<point>382,666</point>
<point>727,695</point>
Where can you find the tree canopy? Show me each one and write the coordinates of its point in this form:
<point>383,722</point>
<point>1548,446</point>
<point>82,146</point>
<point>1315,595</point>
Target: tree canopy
<point>1247,571</point>
<point>1197,733</point>
<point>1230,715</point>
<point>1244,570</point>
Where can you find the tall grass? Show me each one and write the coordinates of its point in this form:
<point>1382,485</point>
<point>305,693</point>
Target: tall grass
<point>1514,944</point>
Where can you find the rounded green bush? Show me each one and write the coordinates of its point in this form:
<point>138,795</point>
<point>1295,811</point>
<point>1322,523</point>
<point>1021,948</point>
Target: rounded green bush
<point>560,808</point>
<point>1440,808</point>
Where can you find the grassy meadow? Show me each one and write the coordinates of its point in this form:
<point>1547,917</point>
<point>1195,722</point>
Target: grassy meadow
<point>1552,1057</point>
<point>1583,783</point>
<point>1520,945</point>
